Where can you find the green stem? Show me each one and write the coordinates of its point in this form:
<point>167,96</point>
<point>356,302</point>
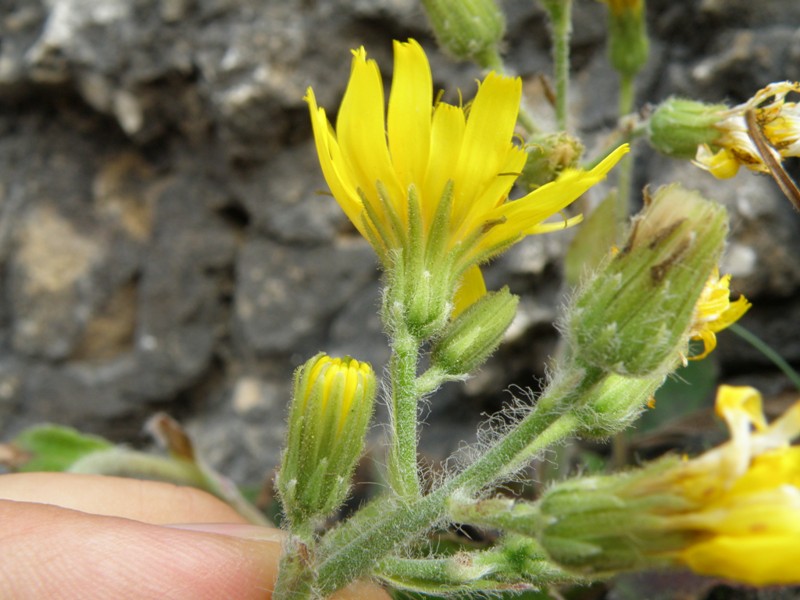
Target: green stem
<point>351,550</point>
<point>625,169</point>
<point>760,345</point>
<point>403,452</point>
<point>526,120</point>
<point>293,581</point>
<point>560,12</point>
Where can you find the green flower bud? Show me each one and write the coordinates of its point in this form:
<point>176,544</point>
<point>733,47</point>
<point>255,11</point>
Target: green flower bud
<point>678,127</point>
<point>475,334</point>
<point>628,44</point>
<point>634,316</point>
<point>588,525</point>
<point>616,402</point>
<point>548,155</point>
<point>428,302</point>
<point>328,419</point>
<point>467,29</point>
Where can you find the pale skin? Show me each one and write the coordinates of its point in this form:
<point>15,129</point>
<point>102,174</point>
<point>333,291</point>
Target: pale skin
<point>66,536</point>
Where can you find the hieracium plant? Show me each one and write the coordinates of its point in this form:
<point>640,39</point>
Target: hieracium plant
<point>431,186</point>
<point>439,190</point>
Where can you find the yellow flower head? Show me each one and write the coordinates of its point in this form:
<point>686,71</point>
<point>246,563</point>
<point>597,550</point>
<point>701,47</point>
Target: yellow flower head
<point>735,508</point>
<point>778,120</point>
<point>732,512</point>
<point>714,312</point>
<point>745,496</point>
<point>436,175</point>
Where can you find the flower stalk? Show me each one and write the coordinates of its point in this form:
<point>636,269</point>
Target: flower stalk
<point>560,12</point>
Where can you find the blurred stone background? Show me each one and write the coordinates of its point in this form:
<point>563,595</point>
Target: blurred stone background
<point>163,245</point>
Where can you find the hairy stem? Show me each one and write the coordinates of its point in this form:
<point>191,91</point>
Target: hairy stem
<point>403,452</point>
<point>560,12</point>
<point>355,547</point>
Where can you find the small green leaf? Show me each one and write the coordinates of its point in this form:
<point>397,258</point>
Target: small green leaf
<point>55,448</point>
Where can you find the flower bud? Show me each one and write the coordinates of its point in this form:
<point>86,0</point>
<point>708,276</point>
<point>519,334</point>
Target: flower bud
<point>634,316</point>
<point>475,334</point>
<point>428,301</point>
<point>615,403</point>
<point>328,418</point>
<point>467,29</point>
<point>678,126</point>
<point>628,44</point>
<point>548,155</point>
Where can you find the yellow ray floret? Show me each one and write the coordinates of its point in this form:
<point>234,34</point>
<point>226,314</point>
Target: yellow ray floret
<point>715,311</point>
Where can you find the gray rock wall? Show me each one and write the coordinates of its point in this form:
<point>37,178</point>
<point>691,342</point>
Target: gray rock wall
<point>163,244</point>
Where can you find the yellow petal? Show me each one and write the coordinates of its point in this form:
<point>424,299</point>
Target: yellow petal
<point>722,164</point>
<point>332,166</point>
<point>733,313</point>
<point>525,216</point>
<point>447,134</point>
<point>361,131</point>
<point>757,560</point>
<point>410,106</point>
<point>770,470</point>
<point>490,127</point>
<point>472,289</point>
<point>738,404</point>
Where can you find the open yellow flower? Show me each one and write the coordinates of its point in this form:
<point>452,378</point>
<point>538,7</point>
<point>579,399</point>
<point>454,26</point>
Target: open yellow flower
<point>432,179</point>
<point>714,312</point>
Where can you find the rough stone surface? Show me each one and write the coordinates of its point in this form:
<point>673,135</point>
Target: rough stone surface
<point>163,244</point>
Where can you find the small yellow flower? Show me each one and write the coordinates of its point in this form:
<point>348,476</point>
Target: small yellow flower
<point>435,163</point>
<point>714,312</point>
<point>779,122</point>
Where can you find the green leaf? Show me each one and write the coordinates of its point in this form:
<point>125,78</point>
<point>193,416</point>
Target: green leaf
<point>592,242</point>
<point>55,448</point>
